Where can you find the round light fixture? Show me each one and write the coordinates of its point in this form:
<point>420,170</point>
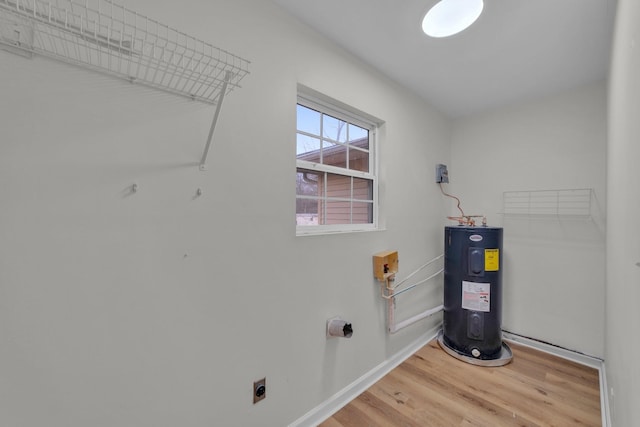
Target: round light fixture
<point>449,17</point>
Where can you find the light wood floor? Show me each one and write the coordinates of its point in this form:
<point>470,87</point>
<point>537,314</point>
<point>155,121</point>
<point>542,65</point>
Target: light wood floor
<point>432,388</point>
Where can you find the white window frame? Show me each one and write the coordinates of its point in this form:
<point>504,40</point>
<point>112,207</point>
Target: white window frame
<point>340,111</point>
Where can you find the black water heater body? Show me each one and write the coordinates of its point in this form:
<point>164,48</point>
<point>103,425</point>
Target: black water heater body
<point>473,291</point>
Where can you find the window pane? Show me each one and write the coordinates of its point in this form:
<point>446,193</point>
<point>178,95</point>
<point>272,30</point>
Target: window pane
<point>334,154</point>
<point>307,212</point>
<point>308,148</point>
<point>357,135</point>
<point>308,183</point>
<point>362,189</point>
<point>338,186</point>
<point>362,213</point>
<point>338,212</point>
<point>334,129</point>
<point>308,120</point>
<point>358,160</point>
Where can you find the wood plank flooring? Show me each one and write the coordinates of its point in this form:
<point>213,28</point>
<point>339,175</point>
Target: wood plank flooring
<point>432,388</point>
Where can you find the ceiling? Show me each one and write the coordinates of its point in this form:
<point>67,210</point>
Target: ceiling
<point>516,51</point>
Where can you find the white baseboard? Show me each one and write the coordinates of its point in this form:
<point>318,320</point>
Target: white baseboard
<point>604,398</point>
<point>574,356</point>
<point>332,405</point>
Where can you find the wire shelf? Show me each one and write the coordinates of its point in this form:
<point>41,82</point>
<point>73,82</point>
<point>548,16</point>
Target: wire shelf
<point>109,38</point>
<point>571,203</point>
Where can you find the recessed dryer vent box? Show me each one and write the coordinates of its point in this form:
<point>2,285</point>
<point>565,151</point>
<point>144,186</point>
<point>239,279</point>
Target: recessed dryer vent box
<point>385,264</point>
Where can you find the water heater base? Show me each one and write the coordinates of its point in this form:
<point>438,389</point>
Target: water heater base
<point>504,358</point>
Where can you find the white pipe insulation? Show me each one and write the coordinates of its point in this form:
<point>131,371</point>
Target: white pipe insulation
<point>393,328</point>
<point>391,295</point>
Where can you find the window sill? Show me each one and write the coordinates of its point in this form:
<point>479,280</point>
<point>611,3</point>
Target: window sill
<point>321,231</point>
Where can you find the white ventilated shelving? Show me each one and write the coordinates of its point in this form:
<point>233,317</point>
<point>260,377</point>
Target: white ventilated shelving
<point>109,38</point>
<point>564,204</point>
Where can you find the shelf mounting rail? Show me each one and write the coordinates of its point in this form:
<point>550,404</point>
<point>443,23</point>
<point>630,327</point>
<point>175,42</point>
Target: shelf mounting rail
<point>106,37</point>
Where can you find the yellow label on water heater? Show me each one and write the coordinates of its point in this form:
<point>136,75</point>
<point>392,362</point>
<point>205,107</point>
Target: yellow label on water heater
<point>491,259</point>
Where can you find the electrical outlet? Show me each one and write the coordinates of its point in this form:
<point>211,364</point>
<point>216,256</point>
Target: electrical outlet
<point>442,175</point>
<point>259,390</point>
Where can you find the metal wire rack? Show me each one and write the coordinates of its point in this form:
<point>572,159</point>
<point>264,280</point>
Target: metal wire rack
<point>110,38</point>
<point>570,203</point>
<point>106,37</point>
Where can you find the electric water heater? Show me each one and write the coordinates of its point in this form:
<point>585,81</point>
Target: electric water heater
<point>473,295</point>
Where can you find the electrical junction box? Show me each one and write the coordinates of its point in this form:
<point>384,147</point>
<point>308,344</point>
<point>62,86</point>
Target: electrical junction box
<point>385,265</point>
<point>442,174</point>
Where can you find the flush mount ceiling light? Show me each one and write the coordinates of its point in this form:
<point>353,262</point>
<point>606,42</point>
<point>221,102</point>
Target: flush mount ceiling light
<point>449,17</point>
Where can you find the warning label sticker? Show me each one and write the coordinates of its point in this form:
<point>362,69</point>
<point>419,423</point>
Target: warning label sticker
<point>491,259</point>
<point>476,296</point>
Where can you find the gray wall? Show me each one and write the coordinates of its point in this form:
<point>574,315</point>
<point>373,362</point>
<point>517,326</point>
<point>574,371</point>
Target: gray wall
<point>623,211</point>
<point>554,267</point>
<point>160,308</point>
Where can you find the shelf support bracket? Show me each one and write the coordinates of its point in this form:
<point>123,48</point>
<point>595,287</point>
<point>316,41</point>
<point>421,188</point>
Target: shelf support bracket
<point>223,91</point>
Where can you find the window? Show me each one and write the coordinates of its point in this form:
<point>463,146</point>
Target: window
<point>336,184</point>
